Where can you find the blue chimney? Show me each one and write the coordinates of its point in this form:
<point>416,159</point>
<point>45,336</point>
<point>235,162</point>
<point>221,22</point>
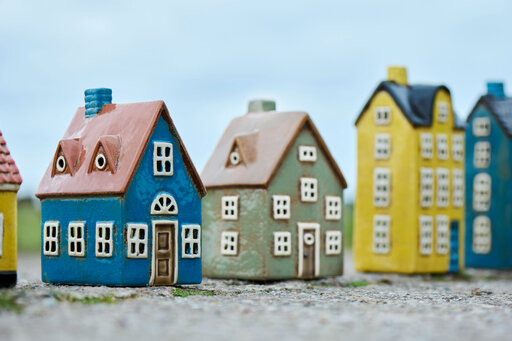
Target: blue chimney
<point>95,99</point>
<point>497,89</point>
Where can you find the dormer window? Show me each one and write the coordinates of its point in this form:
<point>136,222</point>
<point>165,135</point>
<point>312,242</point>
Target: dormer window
<point>382,115</point>
<point>307,153</point>
<point>234,158</point>
<point>162,158</point>
<point>60,164</point>
<point>100,161</point>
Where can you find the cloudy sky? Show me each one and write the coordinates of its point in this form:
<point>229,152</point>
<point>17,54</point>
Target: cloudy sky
<point>207,58</point>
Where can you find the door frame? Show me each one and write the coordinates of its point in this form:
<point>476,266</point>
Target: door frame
<point>314,226</point>
<point>153,249</point>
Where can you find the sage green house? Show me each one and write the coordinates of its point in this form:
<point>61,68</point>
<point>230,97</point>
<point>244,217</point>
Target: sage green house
<point>274,204</point>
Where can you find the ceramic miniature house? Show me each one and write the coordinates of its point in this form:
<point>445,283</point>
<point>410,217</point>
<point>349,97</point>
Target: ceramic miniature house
<point>410,180</point>
<point>274,205</point>
<point>10,181</point>
<point>488,181</point>
<point>121,199</point>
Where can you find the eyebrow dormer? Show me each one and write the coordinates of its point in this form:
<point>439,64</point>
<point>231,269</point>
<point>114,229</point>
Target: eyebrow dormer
<point>66,157</point>
<point>105,157</point>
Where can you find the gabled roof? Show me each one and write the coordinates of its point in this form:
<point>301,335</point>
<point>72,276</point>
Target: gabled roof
<point>9,173</point>
<point>264,138</point>
<point>130,126</point>
<point>415,101</point>
<point>500,108</point>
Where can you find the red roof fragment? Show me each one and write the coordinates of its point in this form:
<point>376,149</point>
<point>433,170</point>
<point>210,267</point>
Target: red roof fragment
<point>9,173</point>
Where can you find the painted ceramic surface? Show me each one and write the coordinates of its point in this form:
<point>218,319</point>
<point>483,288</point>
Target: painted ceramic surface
<point>256,225</point>
<point>8,208</point>
<point>500,212</point>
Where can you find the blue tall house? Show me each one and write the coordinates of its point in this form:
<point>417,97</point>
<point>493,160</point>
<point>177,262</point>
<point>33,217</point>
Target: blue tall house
<point>121,199</point>
<point>489,181</point>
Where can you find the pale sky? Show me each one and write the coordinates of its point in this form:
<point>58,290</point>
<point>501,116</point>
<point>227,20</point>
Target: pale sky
<point>206,59</point>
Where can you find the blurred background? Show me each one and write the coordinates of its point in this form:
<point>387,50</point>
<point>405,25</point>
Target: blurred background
<point>206,59</point>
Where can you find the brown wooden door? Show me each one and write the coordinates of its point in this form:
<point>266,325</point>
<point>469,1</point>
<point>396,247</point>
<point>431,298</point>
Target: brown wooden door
<point>164,248</point>
<point>308,262</point>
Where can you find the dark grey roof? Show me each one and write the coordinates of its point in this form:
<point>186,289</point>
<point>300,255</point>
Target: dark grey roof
<point>415,101</point>
<point>500,108</point>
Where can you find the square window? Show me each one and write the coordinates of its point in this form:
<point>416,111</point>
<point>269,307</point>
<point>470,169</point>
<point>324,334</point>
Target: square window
<point>333,207</point>
<point>442,234</point>
<point>162,158</point>
<point>281,206</point>
<point>425,235</point>
<point>307,153</point>
<point>442,146</point>
<point>427,145</point>
<point>282,243</point>
<point>229,207</point>
<point>482,192</point>
<point>481,126</point>
<point>443,187</point>
<point>191,241</point>
<point>482,235</point>
<point>458,187</point>
<point>482,155</point>
<point>382,115</point>
<point>51,238</point>
<point>457,147</point>
<point>104,239</point>
<point>76,239</point>
<point>381,187</point>
<point>426,187</point>
<point>308,189</point>
<point>137,240</point>
<point>382,149</point>
<point>381,234</point>
<point>333,243</point>
<point>229,243</point>
<point>443,110</point>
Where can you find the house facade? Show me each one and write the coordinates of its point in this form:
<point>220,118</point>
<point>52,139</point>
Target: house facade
<point>275,196</point>
<point>121,199</point>
<point>10,181</point>
<point>410,180</point>
<point>488,181</point>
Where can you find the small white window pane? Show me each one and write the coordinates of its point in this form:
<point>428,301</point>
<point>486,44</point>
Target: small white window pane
<point>427,145</point>
<point>458,187</point>
<point>382,115</point>
<point>458,147</point>
<point>333,242</point>
<point>482,154</point>
<point>76,239</point>
<point>308,189</point>
<point>229,207</point>
<point>382,148</point>
<point>307,153</point>
<point>229,243</point>
<point>137,240</point>
<point>482,235</point>
<point>442,146</point>
<point>481,126</point>
<point>162,158</point>
<point>333,207</point>
<point>191,241</point>
<point>425,235</point>
<point>381,187</point>
<point>281,206</point>
<point>443,187</point>
<point>482,192</point>
<point>282,243</point>
<point>104,239</point>
<point>381,234</point>
<point>443,110</point>
<point>442,234</point>
<point>50,245</point>
<point>426,187</point>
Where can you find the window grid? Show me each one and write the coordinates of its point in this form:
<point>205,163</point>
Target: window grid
<point>230,207</point>
<point>381,187</point>
<point>104,239</point>
<point>382,149</point>
<point>76,239</point>
<point>443,187</point>
<point>162,158</point>
<point>458,187</point>
<point>426,187</point>
<point>482,192</point>
<point>427,145</point>
<point>425,235</point>
<point>457,147</point>
<point>382,115</point>
<point>308,189</point>
<point>307,153</point>
<point>482,155</point>
<point>229,243</point>
<point>51,238</point>
<point>482,235</point>
<point>282,243</point>
<point>333,207</point>
<point>191,241</point>
<point>381,234</point>
<point>333,242</point>
<point>481,126</point>
<point>137,241</point>
<point>443,109</point>
<point>442,234</point>
<point>281,206</point>
<point>164,204</point>
<point>442,146</point>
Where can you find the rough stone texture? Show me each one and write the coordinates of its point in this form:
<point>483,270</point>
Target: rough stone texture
<point>474,306</point>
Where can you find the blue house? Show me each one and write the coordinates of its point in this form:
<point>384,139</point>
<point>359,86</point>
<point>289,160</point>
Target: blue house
<point>121,199</point>
<point>489,181</point>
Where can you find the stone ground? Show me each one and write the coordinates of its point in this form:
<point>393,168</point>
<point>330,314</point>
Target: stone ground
<point>476,305</point>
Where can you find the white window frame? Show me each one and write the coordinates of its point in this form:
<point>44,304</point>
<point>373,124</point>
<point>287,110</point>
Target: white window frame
<point>381,234</point>
<point>282,244</point>
<point>426,234</point>
<point>164,204</point>
<point>102,240</point>
<point>333,207</point>
<point>191,241</point>
<point>133,238</point>
<point>482,192</point>
<point>76,237</point>
<point>426,187</point>
<point>443,187</point>
<point>482,235</point>
<point>381,187</point>
<point>442,146</point>
<point>162,158</point>
<point>382,115</point>
<point>307,154</point>
<point>333,242</point>
<point>457,187</point>
<point>457,147</point>
<point>229,243</point>
<point>442,234</point>
<point>1,233</point>
<point>443,110</point>
<point>427,145</point>
<point>482,154</point>
<point>308,189</point>
<point>51,238</point>
<point>281,205</point>
<point>229,208</point>
<point>382,147</point>
<point>481,126</point>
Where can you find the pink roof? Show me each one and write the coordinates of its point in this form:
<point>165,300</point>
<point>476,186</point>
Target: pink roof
<point>123,130</point>
<point>9,173</point>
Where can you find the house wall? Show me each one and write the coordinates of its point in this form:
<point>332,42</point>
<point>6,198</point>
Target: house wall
<point>500,212</point>
<point>8,207</point>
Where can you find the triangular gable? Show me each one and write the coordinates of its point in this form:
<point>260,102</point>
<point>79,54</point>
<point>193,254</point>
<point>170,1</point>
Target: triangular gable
<point>504,119</point>
<point>70,149</point>
<point>111,147</point>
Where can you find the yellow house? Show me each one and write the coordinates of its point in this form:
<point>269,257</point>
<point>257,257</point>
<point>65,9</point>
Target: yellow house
<point>10,181</point>
<point>410,180</point>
